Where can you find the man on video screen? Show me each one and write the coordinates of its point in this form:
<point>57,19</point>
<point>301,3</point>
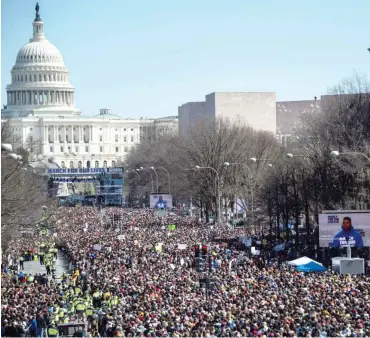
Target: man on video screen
<point>161,204</point>
<point>348,236</point>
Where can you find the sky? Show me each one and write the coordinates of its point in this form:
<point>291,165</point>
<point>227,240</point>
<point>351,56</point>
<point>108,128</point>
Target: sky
<point>145,58</point>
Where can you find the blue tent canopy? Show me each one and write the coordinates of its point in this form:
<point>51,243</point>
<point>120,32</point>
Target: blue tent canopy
<point>311,267</point>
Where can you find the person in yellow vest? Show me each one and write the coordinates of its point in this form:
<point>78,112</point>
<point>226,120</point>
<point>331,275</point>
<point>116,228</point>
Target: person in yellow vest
<point>61,315</point>
<point>52,330</point>
<point>96,299</point>
<point>80,311</point>
<point>30,279</point>
<point>77,290</point>
<point>89,312</point>
<point>21,261</point>
<point>55,252</point>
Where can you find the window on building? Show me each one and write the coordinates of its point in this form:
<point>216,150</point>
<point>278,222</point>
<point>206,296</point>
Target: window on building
<point>61,149</point>
<point>125,139</point>
<point>100,128</point>
<point>79,164</point>
<point>34,78</point>
<point>116,138</point>
<point>124,129</point>
<point>132,139</point>
<point>40,77</point>
<point>71,164</point>
<point>117,149</point>
<point>105,164</point>
<point>62,164</point>
<point>101,138</point>
<point>125,149</point>
<point>101,149</point>
<point>113,164</point>
<point>51,149</point>
<point>86,149</point>
<point>96,164</point>
<point>132,129</point>
<point>69,149</point>
<point>67,138</point>
<point>76,149</point>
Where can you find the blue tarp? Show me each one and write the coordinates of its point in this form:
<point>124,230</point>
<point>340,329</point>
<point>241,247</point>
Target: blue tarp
<point>311,267</point>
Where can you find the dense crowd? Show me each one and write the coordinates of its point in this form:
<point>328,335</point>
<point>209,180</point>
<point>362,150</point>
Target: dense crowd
<point>137,278</point>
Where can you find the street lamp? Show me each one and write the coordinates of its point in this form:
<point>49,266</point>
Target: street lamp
<point>133,171</point>
<point>218,191</point>
<point>6,147</point>
<point>156,177</point>
<point>254,160</point>
<point>336,153</point>
<point>151,176</point>
<point>252,187</point>
<point>169,179</point>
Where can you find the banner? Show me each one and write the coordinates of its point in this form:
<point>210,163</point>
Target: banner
<point>161,201</point>
<point>340,229</point>
<point>85,171</point>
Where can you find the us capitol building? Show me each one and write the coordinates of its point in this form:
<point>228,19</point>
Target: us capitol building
<point>42,117</point>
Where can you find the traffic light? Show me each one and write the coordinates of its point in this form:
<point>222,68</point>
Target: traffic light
<point>197,251</point>
<point>204,251</point>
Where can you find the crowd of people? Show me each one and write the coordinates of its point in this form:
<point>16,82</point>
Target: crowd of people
<point>138,278</point>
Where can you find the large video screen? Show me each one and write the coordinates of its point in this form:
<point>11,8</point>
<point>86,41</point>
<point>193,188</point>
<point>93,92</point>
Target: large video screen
<point>344,229</point>
<point>161,201</point>
<point>87,186</point>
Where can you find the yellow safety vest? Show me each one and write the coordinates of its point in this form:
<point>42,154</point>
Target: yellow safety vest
<point>30,279</point>
<point>89,311</point>
<point>52,331</point>
<point>80,307</point>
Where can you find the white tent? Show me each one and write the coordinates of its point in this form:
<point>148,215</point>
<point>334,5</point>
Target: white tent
<point>302,261</point>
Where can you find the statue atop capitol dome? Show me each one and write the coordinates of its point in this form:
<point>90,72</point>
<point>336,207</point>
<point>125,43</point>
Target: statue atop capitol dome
<point>37,9</point>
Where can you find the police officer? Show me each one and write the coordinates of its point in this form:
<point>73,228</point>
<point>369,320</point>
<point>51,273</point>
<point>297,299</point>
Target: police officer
<point>41,254</point>
<point>80,310</point>
<point>21,261</point>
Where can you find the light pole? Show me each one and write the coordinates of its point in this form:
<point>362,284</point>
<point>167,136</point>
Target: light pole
<point>151,176</point>
<point>156,177</point>
<point>135,172</point>
<point>218,193</point>
<point>169,179</point>
<point>254,160</point>
<point>336,153</point>
<point>251,179</point>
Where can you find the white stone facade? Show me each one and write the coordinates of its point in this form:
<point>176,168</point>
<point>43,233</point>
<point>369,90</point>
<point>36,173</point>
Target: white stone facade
<point>41,113</point>
<point>257,110</point>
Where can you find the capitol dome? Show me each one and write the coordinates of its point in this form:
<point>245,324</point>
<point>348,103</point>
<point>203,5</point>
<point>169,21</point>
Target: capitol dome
<point>39,52</point>
<point>40,79</point>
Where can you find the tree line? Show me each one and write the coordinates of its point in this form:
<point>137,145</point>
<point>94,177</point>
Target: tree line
<point>287,189</point>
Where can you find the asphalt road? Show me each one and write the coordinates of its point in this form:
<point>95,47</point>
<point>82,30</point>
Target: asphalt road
<point>34,267</point>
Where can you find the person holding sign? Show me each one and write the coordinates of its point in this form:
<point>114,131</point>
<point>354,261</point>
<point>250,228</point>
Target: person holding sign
<point>348,236</point>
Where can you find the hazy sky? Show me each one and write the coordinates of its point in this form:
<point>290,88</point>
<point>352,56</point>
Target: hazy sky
<point>145,58</point>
